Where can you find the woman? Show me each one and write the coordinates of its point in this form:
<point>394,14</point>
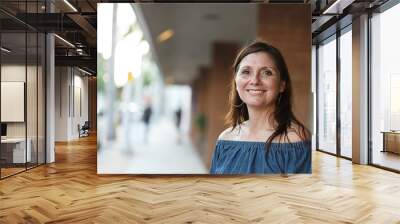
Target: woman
<point>265,136</point>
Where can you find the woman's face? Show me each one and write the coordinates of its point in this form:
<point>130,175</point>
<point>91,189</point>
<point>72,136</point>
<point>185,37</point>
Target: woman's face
<point>258,80</point>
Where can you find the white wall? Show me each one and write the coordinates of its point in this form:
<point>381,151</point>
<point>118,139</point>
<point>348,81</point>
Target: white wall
<point>80,100</point>
<point>61,103</point>
<point>69,85</point>
<point>16,73</point>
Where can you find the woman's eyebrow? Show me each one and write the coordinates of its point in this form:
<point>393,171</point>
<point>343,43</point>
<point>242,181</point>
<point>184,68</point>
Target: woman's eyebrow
<point>249,67</point>
<point>266,67</point>
<point>244,66</point>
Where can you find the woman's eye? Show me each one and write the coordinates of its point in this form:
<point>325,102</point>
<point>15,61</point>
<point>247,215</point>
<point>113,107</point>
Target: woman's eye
<point>266,73</point>
<point>245,72</point>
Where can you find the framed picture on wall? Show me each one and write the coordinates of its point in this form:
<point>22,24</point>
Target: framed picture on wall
<point>12,101</point>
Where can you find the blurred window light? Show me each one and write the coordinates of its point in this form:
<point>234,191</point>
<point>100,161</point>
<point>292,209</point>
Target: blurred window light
<point>120,79</point>
<point>128,58</point>
<point>105,77</point>
<point>133,107</point>
<point>104,29</point>
<point>125,18</point>
<point>144,47</point>
<point>135,37</point>
<point>164,36</point>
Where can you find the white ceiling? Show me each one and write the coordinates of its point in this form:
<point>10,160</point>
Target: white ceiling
<point>196,27</point>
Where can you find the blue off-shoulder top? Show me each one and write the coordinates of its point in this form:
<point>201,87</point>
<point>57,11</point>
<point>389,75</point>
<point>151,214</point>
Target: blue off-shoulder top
<point>250,157</point>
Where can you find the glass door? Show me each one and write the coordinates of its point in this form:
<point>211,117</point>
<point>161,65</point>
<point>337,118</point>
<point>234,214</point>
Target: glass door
<point>346,72</point>
<point>326,87</point>
<point>13,103</point>
<point>385,89</point>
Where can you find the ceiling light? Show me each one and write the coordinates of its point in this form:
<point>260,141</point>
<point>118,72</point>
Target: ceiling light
<point>65,41</point>
<point>84,71</point>
<point>167,34</point>
<point>70,5</point>
<point>5,50</point>
<point>337,7</point>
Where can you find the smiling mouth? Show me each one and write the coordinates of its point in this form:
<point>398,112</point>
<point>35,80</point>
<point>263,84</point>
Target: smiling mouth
<point>255,91</point>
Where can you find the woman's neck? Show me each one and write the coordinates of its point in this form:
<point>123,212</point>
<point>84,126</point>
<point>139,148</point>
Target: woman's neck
<point>260,120</point>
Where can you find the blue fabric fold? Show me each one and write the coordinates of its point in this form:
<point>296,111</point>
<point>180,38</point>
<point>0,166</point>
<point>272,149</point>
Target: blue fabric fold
<point>249,157</point>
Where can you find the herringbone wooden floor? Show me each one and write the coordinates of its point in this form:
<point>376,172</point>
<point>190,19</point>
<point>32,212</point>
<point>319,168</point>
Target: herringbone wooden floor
<point>70,191</point>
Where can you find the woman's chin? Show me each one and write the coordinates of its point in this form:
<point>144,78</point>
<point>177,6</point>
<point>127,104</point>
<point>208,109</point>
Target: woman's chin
<point>257,104</point>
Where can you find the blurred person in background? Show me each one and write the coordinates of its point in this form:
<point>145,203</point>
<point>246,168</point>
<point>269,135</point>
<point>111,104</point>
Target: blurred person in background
<point>178,118</point>
<point>146,118</point>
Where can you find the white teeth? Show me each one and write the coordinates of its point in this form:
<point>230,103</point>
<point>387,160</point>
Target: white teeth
<point>255,91</point>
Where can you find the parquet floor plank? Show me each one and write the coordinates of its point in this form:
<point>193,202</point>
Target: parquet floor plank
<point>70,191</point>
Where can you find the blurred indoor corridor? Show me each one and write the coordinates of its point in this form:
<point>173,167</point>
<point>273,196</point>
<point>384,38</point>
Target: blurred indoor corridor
<point>162,153</point>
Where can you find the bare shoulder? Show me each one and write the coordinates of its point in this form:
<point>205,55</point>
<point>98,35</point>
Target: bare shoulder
<point>229,134</point>
<point>296,133</point>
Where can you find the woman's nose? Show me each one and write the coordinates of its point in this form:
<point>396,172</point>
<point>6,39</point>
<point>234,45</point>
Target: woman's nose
<point>255,79</point>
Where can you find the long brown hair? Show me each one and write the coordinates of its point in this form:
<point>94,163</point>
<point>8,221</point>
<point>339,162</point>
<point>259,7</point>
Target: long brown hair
<point>283,115</point>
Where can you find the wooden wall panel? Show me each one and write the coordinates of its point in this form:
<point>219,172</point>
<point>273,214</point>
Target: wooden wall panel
<point>288,27</point>
<point>218,85</point>
<point>200,102</point>
<point>92,101</point>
